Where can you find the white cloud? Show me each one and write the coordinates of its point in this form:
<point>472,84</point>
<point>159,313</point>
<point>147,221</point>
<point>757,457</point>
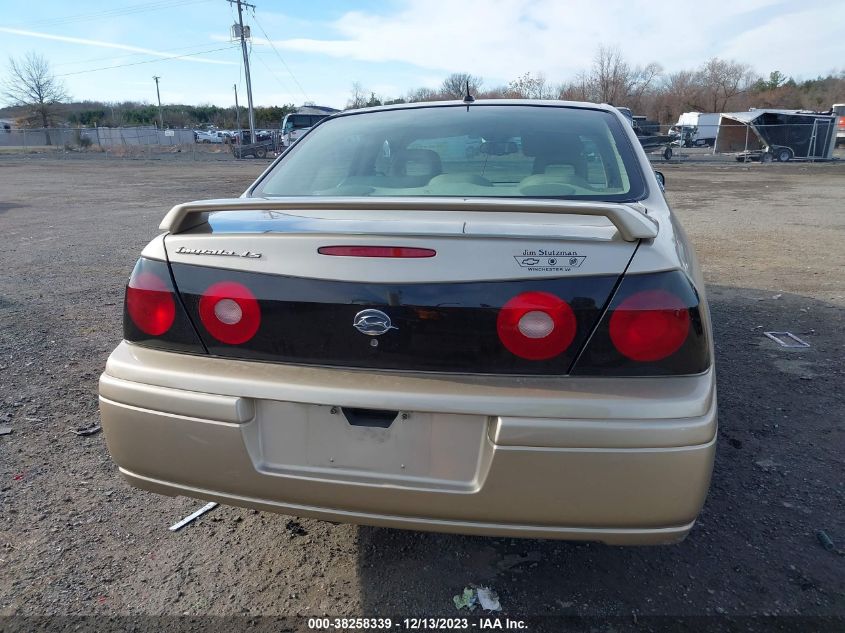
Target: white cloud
<point>805,42</point>
<point>100,44</point>
<point>501,39</point>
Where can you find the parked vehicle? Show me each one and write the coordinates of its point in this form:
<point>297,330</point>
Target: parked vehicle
<point>775,134</point>
<point>514,341</point>
<point>696,129</point>
<point>215,136</point>
<point>650,139</point>
<point>296,124</point>
<point>259,149</point>
<point>839,110</point>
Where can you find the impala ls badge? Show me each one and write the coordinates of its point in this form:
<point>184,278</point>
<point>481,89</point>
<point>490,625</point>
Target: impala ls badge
<point>372,322</point>
<point>182,250</point>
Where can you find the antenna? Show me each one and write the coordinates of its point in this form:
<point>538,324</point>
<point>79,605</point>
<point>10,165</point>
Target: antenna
<point>468,98</point>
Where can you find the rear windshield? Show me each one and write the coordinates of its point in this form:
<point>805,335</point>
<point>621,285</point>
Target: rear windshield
<point>483,151</point>
<point>301,121</point>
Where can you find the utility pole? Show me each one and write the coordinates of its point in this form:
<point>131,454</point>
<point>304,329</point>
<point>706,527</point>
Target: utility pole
<point>242,4</point>
<point>160,114</point>
<point>237,110</point>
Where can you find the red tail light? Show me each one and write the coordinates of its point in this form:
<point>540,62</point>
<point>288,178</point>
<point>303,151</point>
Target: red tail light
<point>150,303</point>
<point>536,325</point>
<point>649,325</point>
<point>230,312</point>
<point>377,251</point>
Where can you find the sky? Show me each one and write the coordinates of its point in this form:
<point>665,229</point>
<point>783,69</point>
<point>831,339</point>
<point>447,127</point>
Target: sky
<point>314,50</point>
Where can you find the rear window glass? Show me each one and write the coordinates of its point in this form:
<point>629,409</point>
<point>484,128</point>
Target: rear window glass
<point>299,121</point>
<point>483,151</point>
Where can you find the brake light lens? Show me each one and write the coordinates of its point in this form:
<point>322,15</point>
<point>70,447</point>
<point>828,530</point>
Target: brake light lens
<point>649,325</point>
<point>377,251</point>
<point>150,303</point>
<point>655,325</point>
<point>536,325</point>
<point>230,312</point>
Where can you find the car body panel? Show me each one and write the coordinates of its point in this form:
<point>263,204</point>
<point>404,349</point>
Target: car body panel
<point>641,479</point>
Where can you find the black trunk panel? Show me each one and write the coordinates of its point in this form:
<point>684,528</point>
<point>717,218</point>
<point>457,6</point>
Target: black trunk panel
<point>442,327</point>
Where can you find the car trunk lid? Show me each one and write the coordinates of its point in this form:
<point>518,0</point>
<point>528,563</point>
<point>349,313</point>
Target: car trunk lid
<point>443,310</point>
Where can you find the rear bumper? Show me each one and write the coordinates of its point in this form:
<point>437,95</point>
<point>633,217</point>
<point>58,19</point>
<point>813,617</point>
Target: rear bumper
<point>630,463</point>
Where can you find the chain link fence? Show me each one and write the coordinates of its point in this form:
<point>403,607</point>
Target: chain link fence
<point>118,143</point>
<point>726,141</point>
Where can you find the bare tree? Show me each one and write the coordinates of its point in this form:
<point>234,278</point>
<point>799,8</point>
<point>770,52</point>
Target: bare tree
<point>615,81</point>
<point>528,87</point>
<point>679,92</point>
<point>580,89</point>
<point>423,94</point>
<point>612,80</point>
<point>358,97</point>
<point>496,92</point>
<point>643,79</point>
<point>721,80</point>
<point>455,85</point>
<point>31,83</point>
<point>610,75</point>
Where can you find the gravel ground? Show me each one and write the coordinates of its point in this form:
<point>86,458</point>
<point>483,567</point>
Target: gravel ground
<point>76,540</point>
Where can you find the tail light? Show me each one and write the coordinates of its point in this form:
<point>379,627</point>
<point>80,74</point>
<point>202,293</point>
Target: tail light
<point>536,325</point>
<point>150,303</point>
<point>653,326</point>
<point>153,315</point>
<point>230,312</point>
<point>649,325</point>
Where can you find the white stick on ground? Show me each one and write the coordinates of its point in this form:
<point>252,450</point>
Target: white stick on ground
<point>188,519</point>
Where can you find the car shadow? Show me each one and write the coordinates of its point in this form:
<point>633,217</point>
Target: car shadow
<point>754,549</point>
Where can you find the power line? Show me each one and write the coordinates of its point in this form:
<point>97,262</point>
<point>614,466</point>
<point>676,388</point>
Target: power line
<point>147,61</point>
<point>281,59</point>
<point>275,76</point>
<point>163,50</point>
<point>116,12</point>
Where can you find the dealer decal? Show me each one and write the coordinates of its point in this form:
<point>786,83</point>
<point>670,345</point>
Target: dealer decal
<point>542,260</point>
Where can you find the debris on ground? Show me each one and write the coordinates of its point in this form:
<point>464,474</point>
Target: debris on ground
<point>488,599</point>
<point>786,339</point>
<point>466,599</point>
<point>91,430</point>
<point>825,540</point>
<point>193,517</point>
<point>295,528</point>
<point>475,596</point>
<point>5,430</point>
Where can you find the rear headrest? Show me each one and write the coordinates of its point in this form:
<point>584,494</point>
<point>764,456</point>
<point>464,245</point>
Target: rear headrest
<point>551,144</point>
<point>560,172</point>
<point>555,148</point>
<point>417,162</point>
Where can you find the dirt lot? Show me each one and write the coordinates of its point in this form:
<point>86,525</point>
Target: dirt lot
<point>74,539</point>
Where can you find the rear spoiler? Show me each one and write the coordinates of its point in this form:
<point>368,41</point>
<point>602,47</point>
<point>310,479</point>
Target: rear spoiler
<point>631,222</point>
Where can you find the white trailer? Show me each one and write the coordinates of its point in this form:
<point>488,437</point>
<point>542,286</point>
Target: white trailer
<point>696,129</point>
